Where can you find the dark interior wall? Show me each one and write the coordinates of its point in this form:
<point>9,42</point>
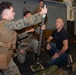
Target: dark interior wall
<point>70,28</point>
<point>75,22</point>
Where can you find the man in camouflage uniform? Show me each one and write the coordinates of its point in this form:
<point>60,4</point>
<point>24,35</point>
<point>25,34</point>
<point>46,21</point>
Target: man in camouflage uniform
<point>41,5</point>
<point>8,33</point>
<point>38,9</point>
<point>29,41</point>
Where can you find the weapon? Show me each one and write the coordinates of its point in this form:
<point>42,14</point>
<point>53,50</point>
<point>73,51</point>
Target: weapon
<point>38,65</point>
<point>40,40</point>
<point>40,44</point>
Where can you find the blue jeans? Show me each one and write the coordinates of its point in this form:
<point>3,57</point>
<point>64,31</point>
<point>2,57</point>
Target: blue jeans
<point>58,61</point>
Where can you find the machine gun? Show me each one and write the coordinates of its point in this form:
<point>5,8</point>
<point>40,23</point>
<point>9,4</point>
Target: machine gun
<point>38,66</point>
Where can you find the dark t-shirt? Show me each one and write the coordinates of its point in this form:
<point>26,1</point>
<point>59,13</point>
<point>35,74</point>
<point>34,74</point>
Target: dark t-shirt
<point>59,37</point>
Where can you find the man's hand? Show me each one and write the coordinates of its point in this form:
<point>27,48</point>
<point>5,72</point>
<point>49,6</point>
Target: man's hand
<point>48,47</point>
<point>43,27</point>
<point>22,51</point>
<point>31,30</point>
<point>55,56</point>
<point>43,11</point>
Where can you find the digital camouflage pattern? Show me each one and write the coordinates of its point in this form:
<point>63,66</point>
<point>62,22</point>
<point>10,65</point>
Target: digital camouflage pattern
<point>61,72</point>
<point>30,21</point>
<point>52,70</point>
<point>12,70</point>
<point>12,26</point>
<point>25,45</point>
<point>37,10</point>
<point>48,71</point>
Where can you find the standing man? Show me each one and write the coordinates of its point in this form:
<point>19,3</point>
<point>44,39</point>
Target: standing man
<point>60,50</point>
<point>40,6</point>
<point>38,9</point>
<point>29,41</point>
<point>8,33</point>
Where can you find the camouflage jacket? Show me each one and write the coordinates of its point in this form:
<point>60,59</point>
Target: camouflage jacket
<point>22,23</point>
<point>8,33</point>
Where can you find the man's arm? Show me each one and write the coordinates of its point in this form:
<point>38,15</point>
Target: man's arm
<point>37,30</point>
<point>48,47</point>
<point>64,48</point>
<point>49,39</point>
<point>30,21</point>
<point>22,35</point>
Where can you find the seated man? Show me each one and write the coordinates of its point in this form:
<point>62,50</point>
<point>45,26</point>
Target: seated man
<point>28,41</point>
<point>59,51</point>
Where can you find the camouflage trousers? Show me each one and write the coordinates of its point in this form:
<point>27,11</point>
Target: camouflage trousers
<point>33,44</point>
<point>12,70</point>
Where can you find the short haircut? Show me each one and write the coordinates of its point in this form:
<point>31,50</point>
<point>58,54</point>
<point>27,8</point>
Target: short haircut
<point>26,12</point>
<point>41,1</point>
<point>5,5</point>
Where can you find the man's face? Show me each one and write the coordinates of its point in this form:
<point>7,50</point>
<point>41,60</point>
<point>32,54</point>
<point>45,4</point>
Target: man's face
<point>10,13</point>
<point>59,23</point>
<point>28,15</point>
<point>41,4</point>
